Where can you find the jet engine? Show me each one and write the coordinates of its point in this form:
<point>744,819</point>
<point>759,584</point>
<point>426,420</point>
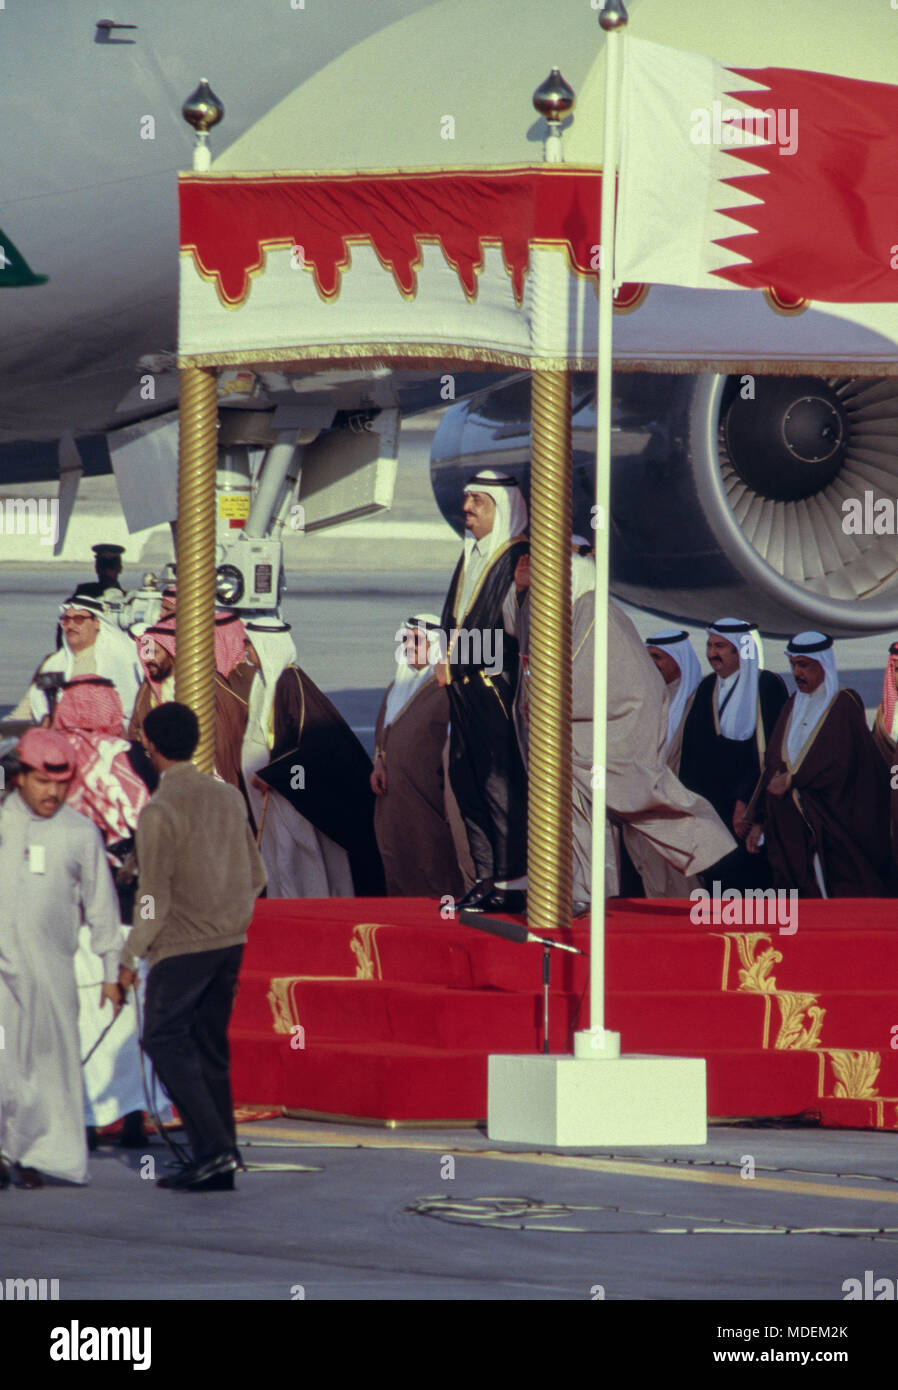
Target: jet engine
<point>770,497</point>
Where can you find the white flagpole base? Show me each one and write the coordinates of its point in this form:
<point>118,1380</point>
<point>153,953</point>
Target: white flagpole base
<point>597,1045</point>
<point>564,1101</point>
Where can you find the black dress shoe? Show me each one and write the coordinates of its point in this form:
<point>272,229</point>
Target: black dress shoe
<point>215,1175</point>
<point>176,1178</point>
<point>501,900</point>
<point>221,1182</point>
<point>93,1139</point>
<point>4,1174</point>
<point>29,1178</point>
<point>198,1173</point>
<point>478,890</point>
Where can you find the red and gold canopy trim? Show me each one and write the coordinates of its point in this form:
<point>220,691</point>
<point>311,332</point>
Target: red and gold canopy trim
<point>229,222</point>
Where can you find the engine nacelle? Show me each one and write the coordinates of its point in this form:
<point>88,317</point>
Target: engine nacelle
<point>758,496</point>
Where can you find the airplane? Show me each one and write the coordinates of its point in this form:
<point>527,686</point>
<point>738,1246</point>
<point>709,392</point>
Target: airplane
<point>739,520</point>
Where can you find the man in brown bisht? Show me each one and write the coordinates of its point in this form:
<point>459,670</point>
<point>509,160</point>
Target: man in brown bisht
<point>885,735</point>
<point>824,803</point>
<point>413,834</point>
<point>233,677</point>
<point>317,765</point>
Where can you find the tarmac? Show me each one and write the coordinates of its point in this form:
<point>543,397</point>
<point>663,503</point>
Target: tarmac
<point>329,1211</point>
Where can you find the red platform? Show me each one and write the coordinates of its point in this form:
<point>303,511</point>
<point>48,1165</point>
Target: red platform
<point>378,1008</point>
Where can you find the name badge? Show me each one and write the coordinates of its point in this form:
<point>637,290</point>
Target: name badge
<point>37,859</point>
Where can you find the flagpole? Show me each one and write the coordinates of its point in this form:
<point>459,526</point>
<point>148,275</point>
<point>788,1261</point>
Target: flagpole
<point>558,1099</point>
<point>595,1041</point>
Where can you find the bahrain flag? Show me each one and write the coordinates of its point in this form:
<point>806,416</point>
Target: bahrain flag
<point>757,178</point>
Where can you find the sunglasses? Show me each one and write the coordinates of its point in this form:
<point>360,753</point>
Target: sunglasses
<point>78,618</point>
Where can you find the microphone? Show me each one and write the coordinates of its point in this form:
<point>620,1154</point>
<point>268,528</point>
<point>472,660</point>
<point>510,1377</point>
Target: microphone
<point>512,931</point>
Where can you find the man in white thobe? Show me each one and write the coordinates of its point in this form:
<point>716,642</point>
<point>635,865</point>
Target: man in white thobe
<point>55,876</point>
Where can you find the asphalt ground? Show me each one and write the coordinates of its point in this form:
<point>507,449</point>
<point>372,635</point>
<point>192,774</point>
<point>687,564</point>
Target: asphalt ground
<point>352,1212</point>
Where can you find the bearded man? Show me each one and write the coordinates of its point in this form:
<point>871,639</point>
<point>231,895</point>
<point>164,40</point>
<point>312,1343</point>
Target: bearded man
<point>156,651</point>
<point>825,812</point>
<point>725,737</point>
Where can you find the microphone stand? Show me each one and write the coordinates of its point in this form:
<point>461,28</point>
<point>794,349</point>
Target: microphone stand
<point>519,932</point>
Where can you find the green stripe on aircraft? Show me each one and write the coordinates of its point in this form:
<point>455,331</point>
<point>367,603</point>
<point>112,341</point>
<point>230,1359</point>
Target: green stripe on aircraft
<point>15,272</point>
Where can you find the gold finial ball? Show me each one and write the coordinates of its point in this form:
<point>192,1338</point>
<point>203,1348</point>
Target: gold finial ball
<point>614,15</point>
<point>554,98</point>
<point>202,109</point>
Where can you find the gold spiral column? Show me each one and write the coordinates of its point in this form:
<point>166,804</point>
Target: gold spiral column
<point>195,626</point>
<point>550,747</point>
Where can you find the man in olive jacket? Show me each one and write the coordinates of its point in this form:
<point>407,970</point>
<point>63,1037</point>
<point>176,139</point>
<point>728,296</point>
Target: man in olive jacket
<point>199,875</point>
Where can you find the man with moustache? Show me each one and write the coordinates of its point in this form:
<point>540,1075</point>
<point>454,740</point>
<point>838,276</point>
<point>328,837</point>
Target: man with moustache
<point>55,877</point>
<point>725,737</point>
<point>91,646</point>
<point>156,651</point>
<point>825,808</point>
<point>485,768</point>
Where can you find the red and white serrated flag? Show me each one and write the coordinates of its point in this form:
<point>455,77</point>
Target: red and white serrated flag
<point>757,178</point>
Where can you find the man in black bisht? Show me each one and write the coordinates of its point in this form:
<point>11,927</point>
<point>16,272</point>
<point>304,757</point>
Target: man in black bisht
<point>725,737</point>
<point>298,746</point>
<point>480,672</point>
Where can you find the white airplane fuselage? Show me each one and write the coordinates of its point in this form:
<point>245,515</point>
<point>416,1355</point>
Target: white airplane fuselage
<point>93,139</point>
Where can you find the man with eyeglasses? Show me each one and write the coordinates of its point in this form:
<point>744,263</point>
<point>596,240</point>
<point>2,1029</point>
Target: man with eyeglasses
<point>91,646</point>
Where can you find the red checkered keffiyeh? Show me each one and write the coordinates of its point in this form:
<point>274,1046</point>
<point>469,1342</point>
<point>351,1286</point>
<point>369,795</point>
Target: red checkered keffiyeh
<point>105,787</point>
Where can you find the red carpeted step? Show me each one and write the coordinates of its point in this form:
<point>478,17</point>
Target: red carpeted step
<point>400,1082</point>
<point>881,1113</point>
<point>372,1011</point>
<point>761,1083</point>
<point>403,1007</point>
<point>668,1022</point>
<point>376,942</point>
<point>866,1018</point>
<point>384,1081</point>
<point>651,960</point>
<point>260,1066</point>
<point>828,958</point>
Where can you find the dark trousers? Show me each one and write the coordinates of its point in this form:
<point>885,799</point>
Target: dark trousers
<point>185,1033</point>
<point>487,775</point>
